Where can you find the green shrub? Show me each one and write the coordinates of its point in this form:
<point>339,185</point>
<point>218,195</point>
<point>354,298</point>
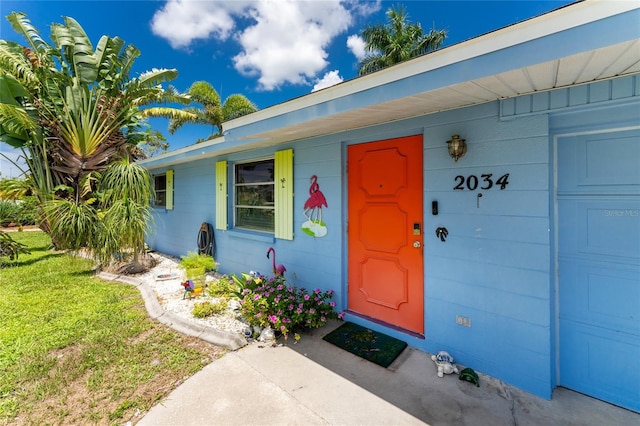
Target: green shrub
<point>199,262</point>
<point>10,248</point>
<point>222,287</point>
<point>28,211</point>
<point>206,309</point>
<point>8,212</point>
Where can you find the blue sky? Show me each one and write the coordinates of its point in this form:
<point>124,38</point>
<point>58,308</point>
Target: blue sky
<point>270,51</point>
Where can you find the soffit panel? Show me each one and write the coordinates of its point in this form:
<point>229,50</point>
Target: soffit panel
<point>575,69</point>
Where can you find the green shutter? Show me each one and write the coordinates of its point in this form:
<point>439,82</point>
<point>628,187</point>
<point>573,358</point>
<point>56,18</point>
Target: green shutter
<point>284,194</point>
<point>221,195</point>
<point>169,193</point>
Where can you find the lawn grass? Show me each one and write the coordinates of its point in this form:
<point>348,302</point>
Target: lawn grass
<point>75,349</point>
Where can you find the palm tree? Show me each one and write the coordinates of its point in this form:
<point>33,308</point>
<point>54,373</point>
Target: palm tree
<point>153,142</point>
<point>212,112</point>
<point>397,41</point>
<point>73,111</point>
<point>14,188</point>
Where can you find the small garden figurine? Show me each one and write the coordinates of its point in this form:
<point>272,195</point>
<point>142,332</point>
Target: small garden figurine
<point>279,269</point>
<point>470,376</point>
<point>444,361</point>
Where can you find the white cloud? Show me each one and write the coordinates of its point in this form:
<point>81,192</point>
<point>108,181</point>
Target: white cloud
<point>329,79</point>
<point>183,21</point>
<point>356,45</point>
<point>288,42</point>
<point>281,41</point>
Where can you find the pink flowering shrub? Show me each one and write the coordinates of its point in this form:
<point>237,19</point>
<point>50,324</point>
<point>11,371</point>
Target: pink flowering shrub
<point>270,301</point>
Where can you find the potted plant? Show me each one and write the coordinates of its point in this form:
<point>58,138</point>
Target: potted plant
<point>196,267</point>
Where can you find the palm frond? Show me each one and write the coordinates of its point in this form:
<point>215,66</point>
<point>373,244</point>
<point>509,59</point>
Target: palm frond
<point>125,223</point>
<point>88,183</point>
<point>126,179</point>
<point>165,112</point>
<point>103,58</point>
<point>22,25</point>
<point>188,116</point>
<point>237,105</point>
<point>204,93</point>
<point>85,127</point>
<point>157,76</point>
<point>11,90</point>
<point>73,224</point>
<point>431,41</point>
<point>127,57</point>
<point>141,96</point>
<point>78,51</point>
<point>15,63</point>
<point>172,95</point>
<point>397,41</point>
<point>15,189</point>
<point>16,126</point>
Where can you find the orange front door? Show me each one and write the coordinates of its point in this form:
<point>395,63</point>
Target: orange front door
<point>385,231</point>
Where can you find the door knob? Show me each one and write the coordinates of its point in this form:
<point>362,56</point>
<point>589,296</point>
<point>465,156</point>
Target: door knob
<point>416,244</point>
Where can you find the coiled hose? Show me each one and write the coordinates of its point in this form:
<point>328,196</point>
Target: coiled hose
<point>206,240</point>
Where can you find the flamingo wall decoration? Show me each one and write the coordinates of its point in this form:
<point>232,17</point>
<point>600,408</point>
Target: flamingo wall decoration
<point>313,210</point>
<point>279,269</point>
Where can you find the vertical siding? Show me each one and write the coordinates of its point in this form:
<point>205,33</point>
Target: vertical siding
<point>494,266</point>
<point>598,94</point>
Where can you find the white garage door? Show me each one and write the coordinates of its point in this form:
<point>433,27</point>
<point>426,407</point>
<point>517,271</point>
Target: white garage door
<point>599,265</point>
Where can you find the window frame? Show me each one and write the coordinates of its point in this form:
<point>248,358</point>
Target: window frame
<point>235,185</point>
<point>156,191</point>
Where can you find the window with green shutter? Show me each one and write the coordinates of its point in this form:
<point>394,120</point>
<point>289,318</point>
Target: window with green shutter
<point>163,190</point>
<point>262,194</point>
<point>254,196</point>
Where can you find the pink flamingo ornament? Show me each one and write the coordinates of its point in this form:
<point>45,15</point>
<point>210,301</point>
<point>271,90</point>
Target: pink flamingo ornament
<point>315,201</point>
<point>313,210</point>
<point>279,269</point>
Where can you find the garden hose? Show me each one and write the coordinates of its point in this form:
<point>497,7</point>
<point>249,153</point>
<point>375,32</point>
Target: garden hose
<point>206,240</point>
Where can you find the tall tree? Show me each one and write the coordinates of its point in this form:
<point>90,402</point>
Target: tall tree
<point>396,41</point>
<point>73,110</point>
<point>211,111</point>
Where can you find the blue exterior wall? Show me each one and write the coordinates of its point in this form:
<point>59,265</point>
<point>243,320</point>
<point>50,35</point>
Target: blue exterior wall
<point>496,266</point>
<point>175,231</point>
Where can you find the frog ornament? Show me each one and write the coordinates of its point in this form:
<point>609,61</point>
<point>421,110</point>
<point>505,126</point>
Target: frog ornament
<point>444,362</point>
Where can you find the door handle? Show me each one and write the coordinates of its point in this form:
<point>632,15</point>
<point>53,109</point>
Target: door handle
<point>416,244</point>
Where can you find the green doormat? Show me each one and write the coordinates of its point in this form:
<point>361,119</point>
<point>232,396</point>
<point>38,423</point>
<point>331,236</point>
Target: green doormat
<point>368,344</point>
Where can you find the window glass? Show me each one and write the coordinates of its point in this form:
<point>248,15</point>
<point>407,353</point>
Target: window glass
<point>254,205</point>
<point>160,186</point>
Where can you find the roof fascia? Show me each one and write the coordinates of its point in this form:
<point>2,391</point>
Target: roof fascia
<point>562,19</point>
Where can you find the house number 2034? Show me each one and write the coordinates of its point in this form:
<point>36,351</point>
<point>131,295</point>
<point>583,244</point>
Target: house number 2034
<point>485,181</point>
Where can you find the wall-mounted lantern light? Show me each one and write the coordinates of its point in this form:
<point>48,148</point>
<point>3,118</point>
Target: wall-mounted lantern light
<point>457,147</point>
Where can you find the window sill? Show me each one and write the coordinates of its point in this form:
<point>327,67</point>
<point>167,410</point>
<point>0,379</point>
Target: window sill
<point>254,236</point>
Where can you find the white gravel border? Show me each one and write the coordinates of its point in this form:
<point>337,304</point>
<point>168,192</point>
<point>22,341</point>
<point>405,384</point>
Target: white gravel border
<point>170,294</point>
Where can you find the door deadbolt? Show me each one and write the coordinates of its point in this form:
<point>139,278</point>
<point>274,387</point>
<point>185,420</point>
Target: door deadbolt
<point>416,244</point>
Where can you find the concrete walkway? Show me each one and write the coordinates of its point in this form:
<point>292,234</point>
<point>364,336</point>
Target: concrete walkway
<point>314,382</point>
